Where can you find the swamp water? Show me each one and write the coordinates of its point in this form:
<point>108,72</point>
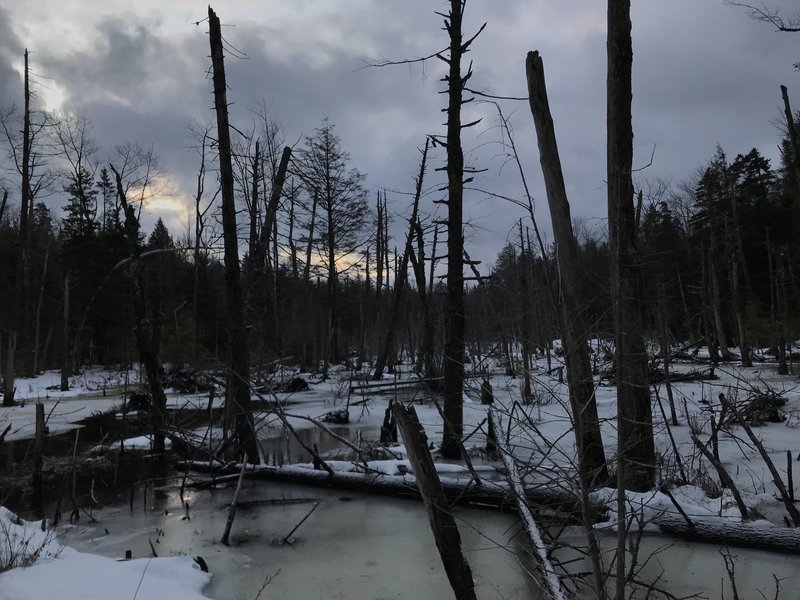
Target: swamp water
<point>352,546</point>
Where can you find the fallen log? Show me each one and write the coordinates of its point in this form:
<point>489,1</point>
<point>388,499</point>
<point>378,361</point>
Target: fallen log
<point>745,535</point>
<point>495,495</point>
<point>390,384</point>
<point>491,495</point>
<point>540,553</point>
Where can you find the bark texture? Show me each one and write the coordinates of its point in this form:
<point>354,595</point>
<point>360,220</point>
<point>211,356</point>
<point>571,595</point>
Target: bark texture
<point>636,450</point>
<point>592,460</point>
<point>238,395</point>
<point>453,367</point>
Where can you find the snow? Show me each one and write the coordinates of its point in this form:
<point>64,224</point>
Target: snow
<point>95,390</point>
<point>63,572</point>
<point>548,450</point>
<point>141,443</point>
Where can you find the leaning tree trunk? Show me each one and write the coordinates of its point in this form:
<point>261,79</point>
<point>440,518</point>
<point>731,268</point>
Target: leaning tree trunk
<point>592,461</point>
<point>443,525</point>
<point>637,449</point>
<point>238,397</point>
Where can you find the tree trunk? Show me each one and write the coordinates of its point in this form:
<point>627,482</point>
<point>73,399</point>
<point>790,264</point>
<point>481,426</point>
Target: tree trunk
<point>379,250</point>
<point>37,323</point>
<point>238,398</point>
<point>253,241</point>
<point>26,159</point>
<point>793,137</point>
<point>307,326</point>
<point>66,358</point>
<point>453,369</point>
<point>443,525</point>
<point>716,299</point>
<point>592,461</point>
<point>635,430</point>
<point>744,347</point>
<point>426,362</point>
<point>331,338</point>
<point>9,388</point>
<point>274,199</point>
<point>526,319</point>
<point>665,353</point>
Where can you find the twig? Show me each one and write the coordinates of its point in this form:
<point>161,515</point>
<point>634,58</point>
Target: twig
<point>303,520</point>
<point>232,507</point>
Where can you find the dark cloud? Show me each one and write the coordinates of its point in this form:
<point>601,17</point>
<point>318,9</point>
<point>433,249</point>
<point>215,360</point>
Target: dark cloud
<point>704,73</point>
<point>10,52</point>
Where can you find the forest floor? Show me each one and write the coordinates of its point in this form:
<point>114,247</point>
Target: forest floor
<point>545,457</point>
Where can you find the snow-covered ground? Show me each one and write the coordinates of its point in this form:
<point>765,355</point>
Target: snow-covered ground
<point>48,569</point>
<point>95,390</point>
<point>548,449</point>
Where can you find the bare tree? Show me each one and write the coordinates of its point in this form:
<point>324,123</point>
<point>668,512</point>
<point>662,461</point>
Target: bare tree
<point>402,271</point>
<point>29,160</point>
<point>453,369</point>
<point>238,395</point>
<point>774,16</point>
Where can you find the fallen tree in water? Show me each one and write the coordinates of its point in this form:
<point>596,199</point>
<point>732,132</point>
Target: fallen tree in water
<point>557,504</point>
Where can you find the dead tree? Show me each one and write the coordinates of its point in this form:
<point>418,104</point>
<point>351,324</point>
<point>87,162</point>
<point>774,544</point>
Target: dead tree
<point>237,404</point>
<point>272,205</point>
<point>453,369</point>
<point>592,461</point>
<point>199,227</point>
<point>791,128</point>
<point>426,363</point>
<point>636,452</point>
<point>401,275</point>
<point>524,258</point>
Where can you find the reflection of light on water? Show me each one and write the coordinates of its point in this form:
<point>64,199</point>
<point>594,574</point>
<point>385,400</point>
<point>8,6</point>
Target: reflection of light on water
<point>352,546</point>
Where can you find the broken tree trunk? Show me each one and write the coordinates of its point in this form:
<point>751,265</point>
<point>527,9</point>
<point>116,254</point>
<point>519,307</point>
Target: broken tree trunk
<point>443,525</point>
<point>237,403</point>
<point>592,461</point>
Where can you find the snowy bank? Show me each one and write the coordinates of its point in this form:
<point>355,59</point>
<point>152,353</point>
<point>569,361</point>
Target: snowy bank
<point>61,572</point>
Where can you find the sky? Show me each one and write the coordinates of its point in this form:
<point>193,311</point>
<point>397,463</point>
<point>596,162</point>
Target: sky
<point>704,74</point>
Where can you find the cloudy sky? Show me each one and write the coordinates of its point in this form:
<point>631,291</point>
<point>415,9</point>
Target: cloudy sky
<point>704,73</point>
